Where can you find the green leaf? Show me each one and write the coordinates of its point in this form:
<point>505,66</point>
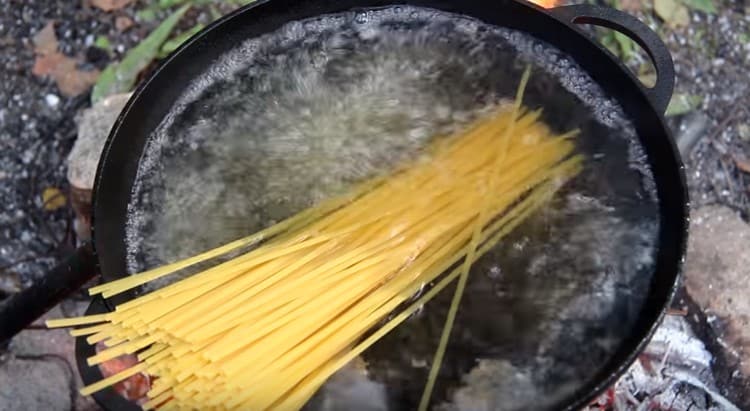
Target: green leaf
<point>102,42</point>
<point>215,13</point>
<point>120,77</point>
<point>647,74</point>
<point>165,4</point>
<point>683,103</point>
<point>665,8</point>
<point>648,79</point>
<point>146,15</point>
<point>608,41</point>
<point>171,45</point>
<point>698,36</point>
<point>706,6</point>
<point>627,46</point>
<point>673,12</point>
<point>619,44</point>
<point>681,17</point>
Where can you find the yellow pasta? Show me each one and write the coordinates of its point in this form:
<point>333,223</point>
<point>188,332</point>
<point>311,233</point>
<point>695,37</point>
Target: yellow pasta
<point>265,329</point>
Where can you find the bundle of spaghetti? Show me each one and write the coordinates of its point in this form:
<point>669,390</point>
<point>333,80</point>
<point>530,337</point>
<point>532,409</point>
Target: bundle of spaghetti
<point>265,329</point>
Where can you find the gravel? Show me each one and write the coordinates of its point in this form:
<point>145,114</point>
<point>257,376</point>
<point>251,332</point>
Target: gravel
<point>37,128</point>
<point>712,57</point>
<point>37,123</point>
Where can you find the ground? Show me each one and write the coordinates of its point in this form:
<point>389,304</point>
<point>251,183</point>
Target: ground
<point>39,107</point>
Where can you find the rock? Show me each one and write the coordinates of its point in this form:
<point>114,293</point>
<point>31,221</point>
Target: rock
<point>52,100</point>
<point>9,283</point>
<point>27,384</point>
<point>744,131</point>
<point>94,125</point>
<point>33,373</point>
<point>55,341</point>
<point>716,275</point>
<point>692,128</point>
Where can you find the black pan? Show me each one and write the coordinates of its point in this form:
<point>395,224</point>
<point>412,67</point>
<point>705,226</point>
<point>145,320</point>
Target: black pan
<point>557,26</point>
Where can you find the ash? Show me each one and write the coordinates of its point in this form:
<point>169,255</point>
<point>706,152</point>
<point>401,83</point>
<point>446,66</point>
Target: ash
<point>673,372</point>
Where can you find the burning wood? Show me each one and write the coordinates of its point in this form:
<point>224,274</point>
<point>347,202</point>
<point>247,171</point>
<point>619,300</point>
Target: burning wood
<point>547,4</point>
<point>133,388</point>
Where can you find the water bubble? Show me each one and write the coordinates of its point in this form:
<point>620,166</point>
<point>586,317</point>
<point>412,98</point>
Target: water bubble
<point>501,290</point>
<point>494,272</point>
<point>291,117</point>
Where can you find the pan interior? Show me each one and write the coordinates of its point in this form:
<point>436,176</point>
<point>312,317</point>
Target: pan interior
<point>298,115</point>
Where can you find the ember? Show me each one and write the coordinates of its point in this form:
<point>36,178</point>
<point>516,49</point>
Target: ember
<point>547,4</point>
<point>133,388</point>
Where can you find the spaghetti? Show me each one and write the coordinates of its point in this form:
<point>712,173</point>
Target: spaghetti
<point>265,329</point>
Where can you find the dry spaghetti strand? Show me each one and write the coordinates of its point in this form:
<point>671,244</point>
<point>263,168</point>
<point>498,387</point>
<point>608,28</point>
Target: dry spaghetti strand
<point>265,329</point>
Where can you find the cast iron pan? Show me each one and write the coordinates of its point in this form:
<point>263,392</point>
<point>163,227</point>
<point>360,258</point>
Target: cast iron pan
<point>558,27</point>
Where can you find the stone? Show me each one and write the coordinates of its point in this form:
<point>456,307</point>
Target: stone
<point>35,376</point>
<point>744,131</point>
<point>52,100</point>
<point>94,125</point>
<point>9,283</point>
<point>27,384</point>
<point>717,270</point>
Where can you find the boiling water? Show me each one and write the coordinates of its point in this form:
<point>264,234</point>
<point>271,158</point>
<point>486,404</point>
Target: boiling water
<point>299,115</point>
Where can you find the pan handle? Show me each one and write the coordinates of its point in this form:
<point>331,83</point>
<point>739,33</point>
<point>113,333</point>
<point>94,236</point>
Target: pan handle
<point>661,92</point>
<point>22,308</point>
